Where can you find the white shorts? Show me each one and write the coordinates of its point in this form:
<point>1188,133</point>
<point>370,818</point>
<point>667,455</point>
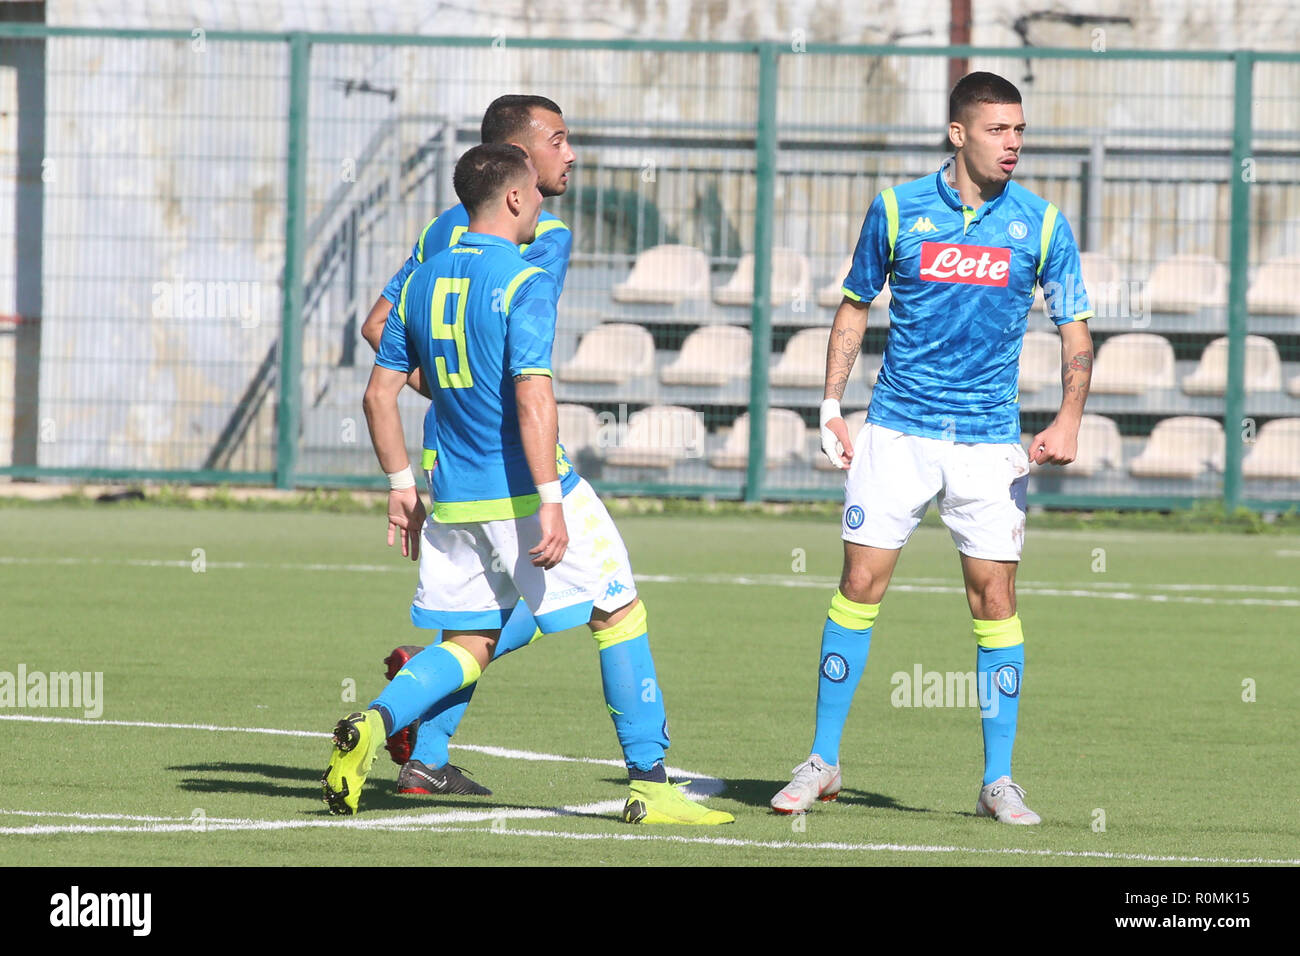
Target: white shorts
<point>981,489</point>
<point>473,574</point>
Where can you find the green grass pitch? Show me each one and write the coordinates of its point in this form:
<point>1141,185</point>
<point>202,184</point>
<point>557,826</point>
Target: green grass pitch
<point>1135,742</point>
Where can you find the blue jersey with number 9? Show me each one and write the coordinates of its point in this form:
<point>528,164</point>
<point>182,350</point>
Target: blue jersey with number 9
<point>473,317</point>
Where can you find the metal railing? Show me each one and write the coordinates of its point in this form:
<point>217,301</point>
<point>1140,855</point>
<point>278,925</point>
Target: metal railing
<point>169,189</point>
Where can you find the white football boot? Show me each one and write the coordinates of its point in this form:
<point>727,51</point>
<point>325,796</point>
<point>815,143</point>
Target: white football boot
<point>1005,802</point>
<point>814,779</point>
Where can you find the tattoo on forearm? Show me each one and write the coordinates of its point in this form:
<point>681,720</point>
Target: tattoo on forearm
<point>522,378</point>
<point>844,347</point>
<point>1076,376</point>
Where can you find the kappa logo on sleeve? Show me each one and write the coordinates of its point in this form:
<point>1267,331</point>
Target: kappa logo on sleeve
<point>971,265</point>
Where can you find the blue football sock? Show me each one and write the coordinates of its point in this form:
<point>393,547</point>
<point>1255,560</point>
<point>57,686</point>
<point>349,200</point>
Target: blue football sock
<point>846,639</point>
<point>632,694</point>
<point>425,679</point>
<point>439,723</point>
<point>1000,667</point>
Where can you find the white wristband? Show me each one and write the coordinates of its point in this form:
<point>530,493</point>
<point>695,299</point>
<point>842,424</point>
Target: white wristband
<point>550,493</point>
<point>401,480</point>
<point>830,409</point>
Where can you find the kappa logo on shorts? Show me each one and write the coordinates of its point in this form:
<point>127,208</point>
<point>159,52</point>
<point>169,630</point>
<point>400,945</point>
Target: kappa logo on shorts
<point>835,668</point>
<point>615,587</point>
<point>1008,678</point>
<point>854,517</point>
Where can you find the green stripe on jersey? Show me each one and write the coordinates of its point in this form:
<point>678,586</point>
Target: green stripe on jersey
<point>420,257</point>
<point>1045,240</point>
<point>514,285</point>
<point>891,216</point>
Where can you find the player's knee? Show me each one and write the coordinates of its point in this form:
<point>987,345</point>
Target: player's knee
<point>858,584</point>
<point>992,603</point>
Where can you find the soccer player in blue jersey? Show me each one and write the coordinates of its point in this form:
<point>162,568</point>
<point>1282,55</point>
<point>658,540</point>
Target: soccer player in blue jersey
<point>962,250</point>
<point>536,125</point>
<point>511,519</point>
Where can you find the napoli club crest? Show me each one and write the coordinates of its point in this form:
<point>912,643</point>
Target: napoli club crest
<point>835,668</point>
<point>1008,679</point>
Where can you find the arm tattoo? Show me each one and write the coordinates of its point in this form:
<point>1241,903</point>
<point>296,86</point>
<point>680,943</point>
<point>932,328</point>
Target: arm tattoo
<point>844,347</point>
<point>522,378</point>
<point>1076,376</point>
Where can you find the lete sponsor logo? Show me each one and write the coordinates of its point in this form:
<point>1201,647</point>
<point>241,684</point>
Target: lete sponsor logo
<point>973,265</point>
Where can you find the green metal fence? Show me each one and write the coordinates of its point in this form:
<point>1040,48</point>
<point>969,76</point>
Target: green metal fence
<point>195,224</point>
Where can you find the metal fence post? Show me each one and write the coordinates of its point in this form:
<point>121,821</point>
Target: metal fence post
<point>289,409</point>
<point>761,315</point>
<point>1238,263</point>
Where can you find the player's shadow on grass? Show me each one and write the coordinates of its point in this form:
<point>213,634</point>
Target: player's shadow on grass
<point>302,783</point>
<point>759,793</point>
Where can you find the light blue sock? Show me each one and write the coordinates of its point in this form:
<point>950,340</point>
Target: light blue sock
<point>1000,668</point>
<point>426,678</point>
<point>632,694</point>
<point>846,640</point>
<point>439,723</point>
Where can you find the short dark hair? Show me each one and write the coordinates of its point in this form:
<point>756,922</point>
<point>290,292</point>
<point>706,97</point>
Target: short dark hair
<point>508,116</point>
<point>485,171</point>
<point>979,88</point>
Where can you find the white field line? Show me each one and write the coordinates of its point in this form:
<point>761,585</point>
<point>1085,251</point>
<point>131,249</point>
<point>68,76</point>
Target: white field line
<point>421,821</point>
<point>438,821</point>
<point>1104,590</point>
<point>1021,589</point>
<point>859,847</point>
<point>702,786</point>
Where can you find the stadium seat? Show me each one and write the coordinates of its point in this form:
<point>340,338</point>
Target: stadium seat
<point>1187,283</point>
<point>832,294</point>
<point>1040,361</point>
<point>712,355</point>
<point>1101,280</point>
<point>791,280</point>
<point>612,353</point>
<point>787,438</point>
<point>854,421</point>
<point>803,363</point>
<point>579,429</point>
<point>659,436</point>
<point>666,275</point>
<point>1263,368</point>
<point>1277,451</point>
<point>1100,446</point>
<point>1276,287</point>
<point>1132,363</point>
<point>1182,447</point>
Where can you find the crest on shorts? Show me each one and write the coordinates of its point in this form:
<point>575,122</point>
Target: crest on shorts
<point>854,517</point>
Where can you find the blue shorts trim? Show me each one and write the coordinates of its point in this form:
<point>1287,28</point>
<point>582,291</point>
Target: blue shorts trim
<point>460,620</point>
<point>552,622</point>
